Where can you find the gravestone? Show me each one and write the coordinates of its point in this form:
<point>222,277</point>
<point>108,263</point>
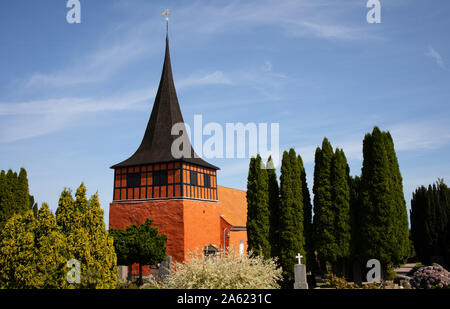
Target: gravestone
<point>300,274</point>
<point>165,268</point>
<point>123,272</point>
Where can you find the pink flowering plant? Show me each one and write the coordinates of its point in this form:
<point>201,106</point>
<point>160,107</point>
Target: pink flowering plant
<point>431,277</point>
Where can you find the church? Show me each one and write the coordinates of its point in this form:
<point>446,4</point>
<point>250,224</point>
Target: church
<point>180,195</point>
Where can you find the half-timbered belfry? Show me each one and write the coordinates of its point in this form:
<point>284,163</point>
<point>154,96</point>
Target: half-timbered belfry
<point>152,172</point>
<point>180,194</point>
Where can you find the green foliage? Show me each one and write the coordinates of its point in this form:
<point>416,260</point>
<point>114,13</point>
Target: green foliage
<point>430,211</point>
<point>125,285</point>
<point>22,194</point>
<point>324,216</point>
<point>81,222</point>
<point>401,228</point>
<point>14,194</point>
<point>383,227</point>
<point>307,217</point>
<point>32,252</point>
<point>34,206</point>
<point>139,244</point>
<point>341,205</point>
<point>274,209</point>
<point>336,282</point>
<point>231,271</point>
<point>258,212</point>
<point>292,240</point>
<point>355,205</point>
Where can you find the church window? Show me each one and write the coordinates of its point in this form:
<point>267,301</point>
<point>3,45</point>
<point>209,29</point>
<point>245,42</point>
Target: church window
<point>133,180</point>
<point>208,181</point>
<point>160,178</point>
<point>193,177</point>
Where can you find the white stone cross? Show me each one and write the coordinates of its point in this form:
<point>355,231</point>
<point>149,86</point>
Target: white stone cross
<point>299,257</point>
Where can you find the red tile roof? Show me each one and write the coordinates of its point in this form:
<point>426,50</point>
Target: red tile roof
<point>234,205</point>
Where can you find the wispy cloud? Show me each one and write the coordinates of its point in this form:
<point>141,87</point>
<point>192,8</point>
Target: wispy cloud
<point>114,51</point>
<point>421,135</point>
<point>216,78</point>
<point>322,19</point>
<point>407,137</point>
<point>432,53</point>
<point>38,117</point>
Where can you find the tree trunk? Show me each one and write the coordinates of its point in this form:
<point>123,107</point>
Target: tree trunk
<point>357,278</point>
<point>130,272</point>
<point>140,274</point>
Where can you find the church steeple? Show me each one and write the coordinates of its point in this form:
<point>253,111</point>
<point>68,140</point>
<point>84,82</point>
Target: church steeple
<point>157,142</point>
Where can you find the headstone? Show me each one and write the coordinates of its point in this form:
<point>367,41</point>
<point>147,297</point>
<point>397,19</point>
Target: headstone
<point>165,268</point>
<point>300,274</point>
<point>123,272</point>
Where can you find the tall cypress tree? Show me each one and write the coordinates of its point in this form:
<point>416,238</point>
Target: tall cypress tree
<point>382,225</point>
<point>14,194</point>
<point>429,221</point>
<point>307,217</point>
<point>258,208</point>
<point>403,250</point>
<point>274,209</point>
<point>9,200</point>
<point>22,193</point>
<point>323,222</point>
<point>341,208</point>
<point>292,239</point>
<point>355,205</point>
<point>3,196</point>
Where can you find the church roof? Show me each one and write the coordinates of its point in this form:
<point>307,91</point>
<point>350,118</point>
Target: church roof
<point>234,205</point>
<point>157,142</point>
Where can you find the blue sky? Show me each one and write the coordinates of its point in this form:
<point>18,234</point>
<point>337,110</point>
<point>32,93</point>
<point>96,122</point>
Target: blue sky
<point>75,98</point>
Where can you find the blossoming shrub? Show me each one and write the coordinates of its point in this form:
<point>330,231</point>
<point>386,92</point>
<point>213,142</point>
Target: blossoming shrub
<point>229,271</point>
<point>431,277</point>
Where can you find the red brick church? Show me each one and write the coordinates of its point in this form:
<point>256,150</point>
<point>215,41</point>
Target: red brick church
<point>181,196</point>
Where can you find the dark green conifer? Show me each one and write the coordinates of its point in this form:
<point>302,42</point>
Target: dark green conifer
<point>429,221</point>
<point>292,239</point>
<point>307,217</point>
<point>274,209</point>
<point>382,222</point>
<point>341,209</point>
<point>258,208</point>
<point>323,221</point>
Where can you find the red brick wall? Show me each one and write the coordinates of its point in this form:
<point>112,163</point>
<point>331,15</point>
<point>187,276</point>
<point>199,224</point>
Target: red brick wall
<point>167,215</point>
<point>201,225</point>
<point>188,224</point>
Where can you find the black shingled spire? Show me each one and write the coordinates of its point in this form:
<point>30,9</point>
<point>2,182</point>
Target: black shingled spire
<point>157,142</point>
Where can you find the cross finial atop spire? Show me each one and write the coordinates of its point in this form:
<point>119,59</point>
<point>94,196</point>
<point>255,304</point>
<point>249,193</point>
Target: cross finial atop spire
<point>166,13</point>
